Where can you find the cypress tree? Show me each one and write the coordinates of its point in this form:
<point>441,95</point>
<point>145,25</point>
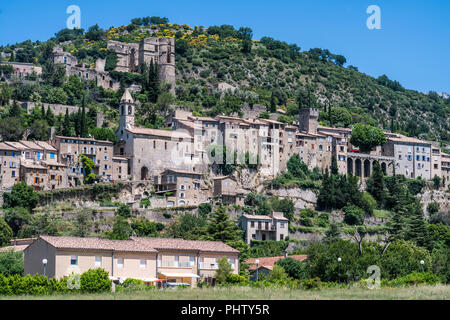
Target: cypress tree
<point>153,82</point>
<point>50,117</point>
<point>416,227</point>
<point>273,104</point>
<point>42,112</point>
<point>222,228</point>
<point>67,125</point>
<point>334,166</point>
<point>83,123</point>
<point>376,186</point>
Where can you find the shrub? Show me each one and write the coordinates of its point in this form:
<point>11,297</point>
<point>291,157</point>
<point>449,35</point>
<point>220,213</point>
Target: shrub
<point>237,279</point>
<point>432,207</point>
<point>95,280</point>
<point>416,278</point>
<point>353,215</point>
<point>311,284</point>
<point>294,268</point>
<point>11,263</point>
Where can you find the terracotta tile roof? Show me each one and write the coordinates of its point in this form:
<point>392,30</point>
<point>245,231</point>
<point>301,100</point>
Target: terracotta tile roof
<point>275,215</point>
<point>180,244</point>
<point>7,147</point>
<point>84,139</point>
<point>269,262</point>
<point>150,245</point>
<point>32,165</point>
<point>182,172</point>
<point>31,145</point>
<point>97,244</point>
<point>160,133</point>
<point>202,119</point>
<point>402,138</point>
<point>16,145</point>
<point>45,146</point>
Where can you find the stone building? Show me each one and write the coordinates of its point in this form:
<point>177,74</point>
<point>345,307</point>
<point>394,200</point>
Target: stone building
<point>183,186</point>
<point>132,56</point>
<point>84,72</point>
<point>151,151</point>
<point>227,190</point>
<point>9,166</point>
<point>258,227</point>
<point>412,156</point>
<point>22,69</point>
<point>120,168</point>
<point>445,170</point>
<point>100,152</point>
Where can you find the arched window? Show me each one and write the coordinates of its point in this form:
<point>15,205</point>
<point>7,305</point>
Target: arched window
<point>130,110</point>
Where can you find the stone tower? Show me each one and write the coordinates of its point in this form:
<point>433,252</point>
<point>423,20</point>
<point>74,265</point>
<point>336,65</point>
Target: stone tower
<point>309,120</point>
<point>126,112</point>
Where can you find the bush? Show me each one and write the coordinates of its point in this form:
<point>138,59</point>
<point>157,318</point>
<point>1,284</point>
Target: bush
<point>311,284</point>
<point>95,280</point>
<point>294,268</point>
<point>353,215</point>
<point>415,278</point>
<point>237,279</point>
<point>11,263</point>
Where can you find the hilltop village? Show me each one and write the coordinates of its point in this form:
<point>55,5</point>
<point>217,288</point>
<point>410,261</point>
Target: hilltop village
<point>243,184</point>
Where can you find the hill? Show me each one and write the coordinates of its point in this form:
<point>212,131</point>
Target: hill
<point>265,72</point>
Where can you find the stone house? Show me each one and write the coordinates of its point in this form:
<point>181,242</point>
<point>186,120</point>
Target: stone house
<point>120,168</point>
<point>152,260</point>
<point>100,152</point>
<point>258,227</point>
<point>22,69</point>
<point>184,187</point>
<point>227,190</point>
<point>445,170</point>
<point>9,166</point>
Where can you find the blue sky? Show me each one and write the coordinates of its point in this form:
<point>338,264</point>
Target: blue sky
<point>412,46</point>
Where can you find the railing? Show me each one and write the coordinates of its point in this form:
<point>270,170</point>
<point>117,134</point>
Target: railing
<point>174,264</point>
<point>210,266</point>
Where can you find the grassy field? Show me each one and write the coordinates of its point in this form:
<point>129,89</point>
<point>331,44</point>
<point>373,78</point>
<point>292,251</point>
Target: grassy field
<point>438,292</point>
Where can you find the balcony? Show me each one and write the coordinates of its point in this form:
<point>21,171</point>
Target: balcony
<point>208,266</point>
<point>174,264</point>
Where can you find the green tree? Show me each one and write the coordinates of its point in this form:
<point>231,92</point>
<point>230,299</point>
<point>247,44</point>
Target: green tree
<point>5,94</point>
<point>17,218</point>
<point>6,233</point>
<point>105,134</point>
<point>68,129</point>
<point>21,195</point>
<point>353,215</point>
<point>88,168</point>
<point>375,184</point>
<point>11,129</point>
<point>432,207</point>
<point>124,211</point>
<point>297,167</point>
<point>83,224</point>
<point>277,274</point>
<point>340,117</point>
<point>11,263</point>
<point>367,137</point>
<point>332,234</point>
<point>294,268</point>
<point>223,271</point>
<point>121,229</point>
<point>222,228</point>
<point>416,229</point>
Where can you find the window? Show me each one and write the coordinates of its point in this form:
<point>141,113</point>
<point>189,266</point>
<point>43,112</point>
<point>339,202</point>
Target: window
<point>252,224</point>
<point>143,264</point>
<point>281,236</point>
<point>120,263</point>
<point>73,260</point>
<point>282,225</point>
<point>52,155</point>
<point>182,187</point>
<point>191,261</point>
<point>182,195</point>
<point>98,261</point>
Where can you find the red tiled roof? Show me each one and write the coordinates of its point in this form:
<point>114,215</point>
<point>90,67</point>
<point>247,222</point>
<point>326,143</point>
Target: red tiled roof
<point>269,262</point>
<point>150,245</point>
<point>97,244</point>
<point>180,244</point>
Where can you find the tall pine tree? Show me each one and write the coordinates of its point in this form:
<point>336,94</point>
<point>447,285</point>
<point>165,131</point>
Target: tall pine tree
<point>375,185</point>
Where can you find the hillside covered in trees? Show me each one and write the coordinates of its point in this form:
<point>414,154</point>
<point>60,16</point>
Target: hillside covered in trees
<point>263,72</point>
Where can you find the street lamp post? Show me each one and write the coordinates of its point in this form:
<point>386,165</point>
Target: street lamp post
<point>257,267</point>
<point>422,263</point>
<point>339,269</point>
<point>44,264</point>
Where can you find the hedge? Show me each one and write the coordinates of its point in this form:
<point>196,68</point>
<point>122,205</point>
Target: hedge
<point>92,281</point>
